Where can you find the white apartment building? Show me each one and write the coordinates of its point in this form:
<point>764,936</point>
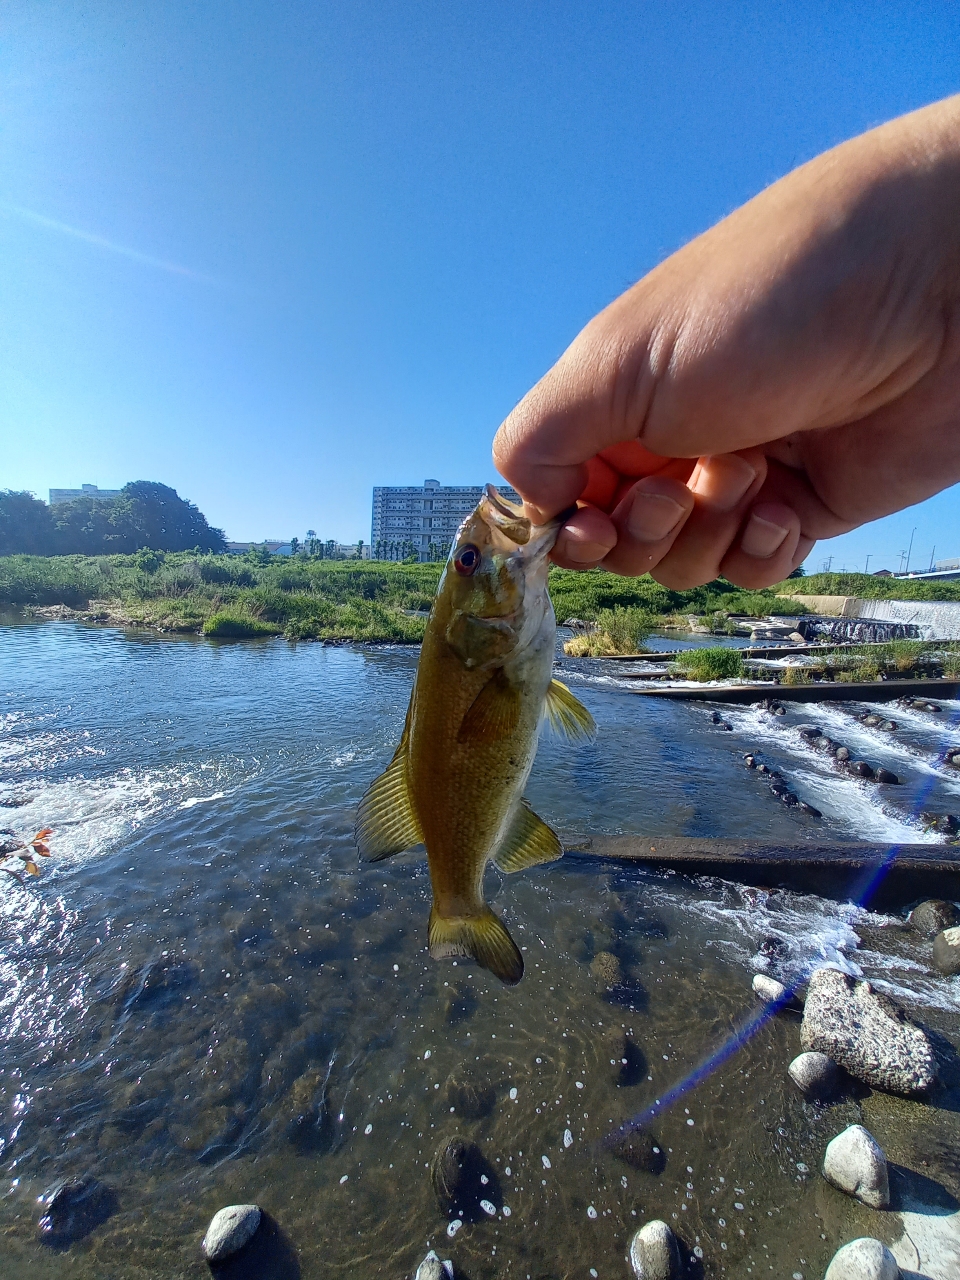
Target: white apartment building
<point>85,491</point>
<point>421,520</point>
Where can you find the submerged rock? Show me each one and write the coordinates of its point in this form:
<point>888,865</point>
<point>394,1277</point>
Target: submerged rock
<point>640,1150</point>
<point>863,1259</point>
<point>885,775</point>
<point>431,1268</point>
<point>867,1034</point>
<point>815,1074</point>
<point>946,951</point>
<point>855,1163</point>
<point>74,1208</point>
<point>229,1230</point>
<point>460,1002</point>
<point>606,970</point>
<point>932,916</point>
<point>654,1254</point>
<point>859,768</point>
<point>470,1098</point>
<point>462,1178</point>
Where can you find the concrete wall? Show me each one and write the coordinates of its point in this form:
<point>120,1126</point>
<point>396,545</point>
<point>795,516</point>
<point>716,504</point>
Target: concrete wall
<point>831,606</point>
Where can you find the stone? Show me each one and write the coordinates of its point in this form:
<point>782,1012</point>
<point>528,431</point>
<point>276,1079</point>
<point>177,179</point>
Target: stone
<point>932,916</point>
<point>885,775</point>
<point>808,808</point>
<point>654,1254</point>
<point>815,1074</point>
<point>431,1268</point>
<point>463,1177</point>
<point>859,768</point>
<point>605,969</point>
<point>842,754</point>
<point>768,989</point>
<point>229,1230</point>
<point>470,1098</point>
<point>867,1034</point>
<point>73,1209</point>
<point>863,1259</point>
<point>946,951</point>
<point>854,1162</point>
<point>460,1002</point>
<point>809,731</point>
<point>639,1149</point>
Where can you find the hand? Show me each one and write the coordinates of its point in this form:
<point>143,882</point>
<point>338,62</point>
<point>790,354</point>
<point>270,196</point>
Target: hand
<point>790,374</point>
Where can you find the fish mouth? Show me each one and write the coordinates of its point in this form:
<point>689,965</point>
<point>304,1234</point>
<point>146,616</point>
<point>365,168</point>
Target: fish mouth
<point>508,518</point>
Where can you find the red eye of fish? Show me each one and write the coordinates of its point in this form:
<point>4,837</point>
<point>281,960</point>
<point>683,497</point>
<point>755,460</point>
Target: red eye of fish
<point>467,560</point>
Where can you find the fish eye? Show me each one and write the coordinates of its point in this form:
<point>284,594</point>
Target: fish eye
<point>467,560</point>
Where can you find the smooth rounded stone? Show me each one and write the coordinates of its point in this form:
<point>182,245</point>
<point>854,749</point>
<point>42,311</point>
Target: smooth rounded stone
<point>640,1150</point>
<point>931,917</point>
<point>855,1163</point>
<point>471,1099</point>
<point>946,951</point>
<point>229,1230</point>
<point>809,808</point>
<point>768,989</point>
<point>606,970</point>
<point>889,726</point>
<point>887,776</point>
<point>431,1268</point>
<point>809,731</point>
<point>842,753</point>
<point>789,798</point>
<point>654,1254</point>
<point>867,1034</point>
<point>462,1177</point>
<point>859,768</point>
<point>815,1074</point>
<point>74,1208</point>
<point>863,1259</point>
<point>871,719</point>
<point>749,762</point>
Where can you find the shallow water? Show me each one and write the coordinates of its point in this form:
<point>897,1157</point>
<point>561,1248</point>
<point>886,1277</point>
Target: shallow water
<point>205,1000</point>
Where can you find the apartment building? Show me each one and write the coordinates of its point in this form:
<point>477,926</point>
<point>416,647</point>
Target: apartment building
<point>421,520</point>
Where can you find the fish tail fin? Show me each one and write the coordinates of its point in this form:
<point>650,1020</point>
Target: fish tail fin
<point>483,936</point>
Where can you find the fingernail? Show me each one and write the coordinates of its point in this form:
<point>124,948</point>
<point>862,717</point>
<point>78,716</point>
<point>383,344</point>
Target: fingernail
<point>761,538</point>
<point>722,480</point>
<point>584,552</point>
<point>652,516</point>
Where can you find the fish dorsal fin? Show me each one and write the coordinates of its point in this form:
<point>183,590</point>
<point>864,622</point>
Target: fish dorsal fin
<point>567,714</point>
<point>528,842</point>
<point>494,714</point>
<point>386,822</point>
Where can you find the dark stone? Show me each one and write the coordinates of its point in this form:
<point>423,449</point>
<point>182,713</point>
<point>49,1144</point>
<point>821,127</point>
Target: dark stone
<point>716,717</point>
<point>931,917</point>
<point>889,726</point>
<point>14,802</point>
<point>860,769</point>
<point>884,775</point>
<point>74,1209</point>
<point>725,726</point>
<point>808,808</point>
<point>462,1177</point>
<point>809,731</point>
<point>789,798</point>
<point>762,768</point>
<point>470,1098</point>
<point>639,1149</point>
<point>749,762</point>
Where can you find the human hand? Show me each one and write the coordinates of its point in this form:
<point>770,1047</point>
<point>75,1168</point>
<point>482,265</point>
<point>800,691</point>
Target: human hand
<point>787,376</point>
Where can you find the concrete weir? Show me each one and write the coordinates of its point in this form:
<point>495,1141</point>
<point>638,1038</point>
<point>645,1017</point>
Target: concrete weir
<point>818,691</point>
<point>879,875</point>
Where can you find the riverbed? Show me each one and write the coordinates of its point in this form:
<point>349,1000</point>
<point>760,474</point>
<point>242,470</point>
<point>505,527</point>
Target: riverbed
<point>206,1000</point>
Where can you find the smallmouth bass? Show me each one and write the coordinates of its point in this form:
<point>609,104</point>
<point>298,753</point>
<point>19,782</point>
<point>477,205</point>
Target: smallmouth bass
<point>482,689</point>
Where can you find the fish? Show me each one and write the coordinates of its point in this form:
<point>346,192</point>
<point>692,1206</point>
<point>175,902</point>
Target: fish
<point>483,689</point>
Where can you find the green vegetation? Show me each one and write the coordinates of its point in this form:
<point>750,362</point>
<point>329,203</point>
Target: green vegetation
<point>619,630</point>
<point>709,664</point>
<point>146,514</point>
<point>584,594</point>
<point>867,587</point>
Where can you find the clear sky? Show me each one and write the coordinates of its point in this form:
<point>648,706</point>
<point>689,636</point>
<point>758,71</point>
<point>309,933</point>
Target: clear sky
<point>277,252</point>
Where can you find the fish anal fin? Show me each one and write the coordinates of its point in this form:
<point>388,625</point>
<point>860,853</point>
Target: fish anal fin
<point>567,714</point>
<point>529,841</point>
<point>386,821</point>
<point>494,714</point>
<point>483,936</point>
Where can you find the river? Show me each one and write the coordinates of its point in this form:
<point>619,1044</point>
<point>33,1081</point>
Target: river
<point>206,1000</point>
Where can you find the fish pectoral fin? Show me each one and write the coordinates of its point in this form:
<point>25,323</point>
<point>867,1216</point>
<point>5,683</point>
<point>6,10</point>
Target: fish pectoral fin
<point>528,842</point>
<point>484,937</point>
<point>386,822</point>
<point>494,714</point>
<point>567,714</point>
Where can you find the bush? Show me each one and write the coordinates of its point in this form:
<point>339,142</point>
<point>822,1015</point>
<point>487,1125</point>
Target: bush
<point>625,629</point>
<point>710,664</point>
<point>234,626</point>
<point>795,675</point>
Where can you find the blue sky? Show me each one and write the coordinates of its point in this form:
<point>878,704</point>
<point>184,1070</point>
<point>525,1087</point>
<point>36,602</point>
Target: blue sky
<point>273,254</point>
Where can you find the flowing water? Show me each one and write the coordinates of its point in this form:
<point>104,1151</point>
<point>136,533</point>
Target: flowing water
<point>206,1000</point>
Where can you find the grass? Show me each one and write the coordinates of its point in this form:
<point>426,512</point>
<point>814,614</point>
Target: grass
<point>709,664</point>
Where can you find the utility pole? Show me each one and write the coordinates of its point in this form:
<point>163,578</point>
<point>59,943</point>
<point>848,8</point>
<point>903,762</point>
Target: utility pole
<point>867,565</point>
<point>932,554</point>
<point>903,556</point>
<point>910,549</point>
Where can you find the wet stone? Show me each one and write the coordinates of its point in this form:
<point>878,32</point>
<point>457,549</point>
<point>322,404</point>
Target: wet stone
<point>768,989</point>
<point>863,1259</point>
<point>815,1075</point>
<point>931,917</point>
<point>859,769</point>
<point>867,1034</point>
<point>605,969</point>
<point>431,1268</point>
<point>308,1123</point>
<point>74,1209</point>
<point>654,1254</point>
<point>842,753</point>
<point>946,951</point>
<point>855,1163</point>
<point>470,1098</point>
<point>640,1150</point>
<point>229,1230</point>
<point>627,1062</point>
<point>462,1178</point>
<point>885,775</point>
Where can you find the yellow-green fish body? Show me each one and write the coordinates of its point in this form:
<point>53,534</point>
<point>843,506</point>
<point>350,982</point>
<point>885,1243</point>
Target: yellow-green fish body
<point>483,684</point>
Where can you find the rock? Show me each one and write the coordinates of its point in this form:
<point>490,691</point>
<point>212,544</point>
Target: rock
<point>871,719</point>
<point>470,1098</point>
<point>867,1034</point>
<point>889,726</point>
<point>932,916</point>
<point>431,1268</point>
<point>768,989</point>
<point>229,1230</point>
<point>74,1208</point>
<point>639,1149</point>
<point>605,969</point>
<point>789,798</point>
<point>863,1259</point>
<point>859,768</point>
<point>14,802</point>
<point>716,717</point>
<point>854,1162</point>
<point>815,1074</point>
<point>654,1254</point>
<point>842,754</point>
<point>749,762</point>
<point>946,823</point>
<point>808,808</point>
<point>885,775</point>
<point>460,1002</point>
<point>462,1177</point>
<point>946,951</point>
<point>809,731</point>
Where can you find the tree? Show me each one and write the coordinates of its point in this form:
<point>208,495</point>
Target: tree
<point>155,516</point>
<point>799,572</point>
<point>25,524</point>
